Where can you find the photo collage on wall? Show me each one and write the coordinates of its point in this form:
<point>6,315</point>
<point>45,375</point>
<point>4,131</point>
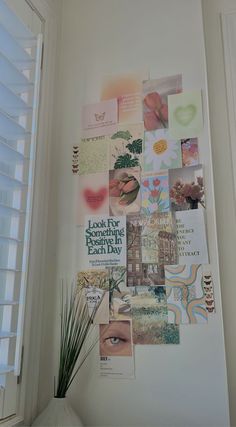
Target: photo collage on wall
<point>141,205</point>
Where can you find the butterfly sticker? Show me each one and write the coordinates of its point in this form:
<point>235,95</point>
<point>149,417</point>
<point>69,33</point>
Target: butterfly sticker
<point>100,117</point>
<point>208,291</point>
<point>75,159</point>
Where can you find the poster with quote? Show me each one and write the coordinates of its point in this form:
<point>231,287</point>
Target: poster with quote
<point>105,241</point>
<point>191,237</point>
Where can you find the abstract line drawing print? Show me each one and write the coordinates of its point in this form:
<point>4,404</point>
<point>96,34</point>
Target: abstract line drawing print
<point>185,294</point>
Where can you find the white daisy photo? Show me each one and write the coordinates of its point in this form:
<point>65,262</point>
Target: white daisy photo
<point>160,151</point>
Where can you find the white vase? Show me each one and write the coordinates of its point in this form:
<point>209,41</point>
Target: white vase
<point>58,413</point>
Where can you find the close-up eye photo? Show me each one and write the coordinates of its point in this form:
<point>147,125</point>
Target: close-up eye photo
<point>115,339</point>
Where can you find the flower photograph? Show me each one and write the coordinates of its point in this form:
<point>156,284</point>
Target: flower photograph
<point>161,152</point>
<point>187,188</point>
<point>155,100</point>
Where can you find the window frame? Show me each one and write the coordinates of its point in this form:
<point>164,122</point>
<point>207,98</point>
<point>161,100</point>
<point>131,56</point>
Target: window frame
<point>49,12</point>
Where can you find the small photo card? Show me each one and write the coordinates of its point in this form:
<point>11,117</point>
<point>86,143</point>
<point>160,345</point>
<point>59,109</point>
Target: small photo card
<point>185,114</point>
<point>161,152</point>
<point>126,146</point>
<point>120,308</point>
<point>185,294</point>
<point>124,191</point>
<point>155,193</point>
<point>93,157</point>
<point>191,237</point>
<point>150,317</point>
<point>190,155</point>
<point>187,188</point>
<point>155,94</point>
<point>159,239</point>
<point>92,196</point>
<point>99,119</point>
<point>116,349</point>
<point>95,284</point>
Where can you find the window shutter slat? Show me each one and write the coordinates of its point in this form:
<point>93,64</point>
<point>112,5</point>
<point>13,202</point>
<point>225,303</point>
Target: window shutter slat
<point>12,77</point>
<point>10,129</point>
<point>9,148</point>
<point>14,24</point>
<point>8,302</point>
<point>14,52</point>
<point>7,334</point>
<point>10,181</point>
<point>10,210</point>
<point>11,103</point>
<point>5,369</point>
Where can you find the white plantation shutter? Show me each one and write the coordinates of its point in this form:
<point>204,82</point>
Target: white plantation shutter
<point>20,63</point>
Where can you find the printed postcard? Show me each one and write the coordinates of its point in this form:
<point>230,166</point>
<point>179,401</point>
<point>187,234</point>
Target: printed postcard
<point>134,249</point>
<point>95,284</point>
<point>155,94</point>
<point>158,239</point>
<point>160,151</point>
<point>105,241</point>
<point>99,119</point>
<point>139,273</point>
<point>124,191</point>
<point>191,237</point>
<point>155,193</point>
<point>119,294</point>
<point>116,349</point>
<point>126,146</point>
<point>127,89</point>
<point>93,157</point>
<point>185,294</point>
<point>190,155</point>
<point>186,188</point>
<point>92,196</point>
<point>150,317</point>
<point>185,114</point>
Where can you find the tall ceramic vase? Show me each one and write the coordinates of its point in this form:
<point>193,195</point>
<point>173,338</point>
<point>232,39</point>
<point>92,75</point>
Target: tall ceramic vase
<point>58,413</point>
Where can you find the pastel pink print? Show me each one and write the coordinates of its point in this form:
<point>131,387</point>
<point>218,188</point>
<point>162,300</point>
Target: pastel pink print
<point>95,199</point>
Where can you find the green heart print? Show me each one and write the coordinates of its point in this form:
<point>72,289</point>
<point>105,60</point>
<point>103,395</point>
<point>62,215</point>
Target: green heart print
<point>184,115</point>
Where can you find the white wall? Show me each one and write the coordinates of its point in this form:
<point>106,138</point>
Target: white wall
<point>174,386</point>
<point>223,177</point>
